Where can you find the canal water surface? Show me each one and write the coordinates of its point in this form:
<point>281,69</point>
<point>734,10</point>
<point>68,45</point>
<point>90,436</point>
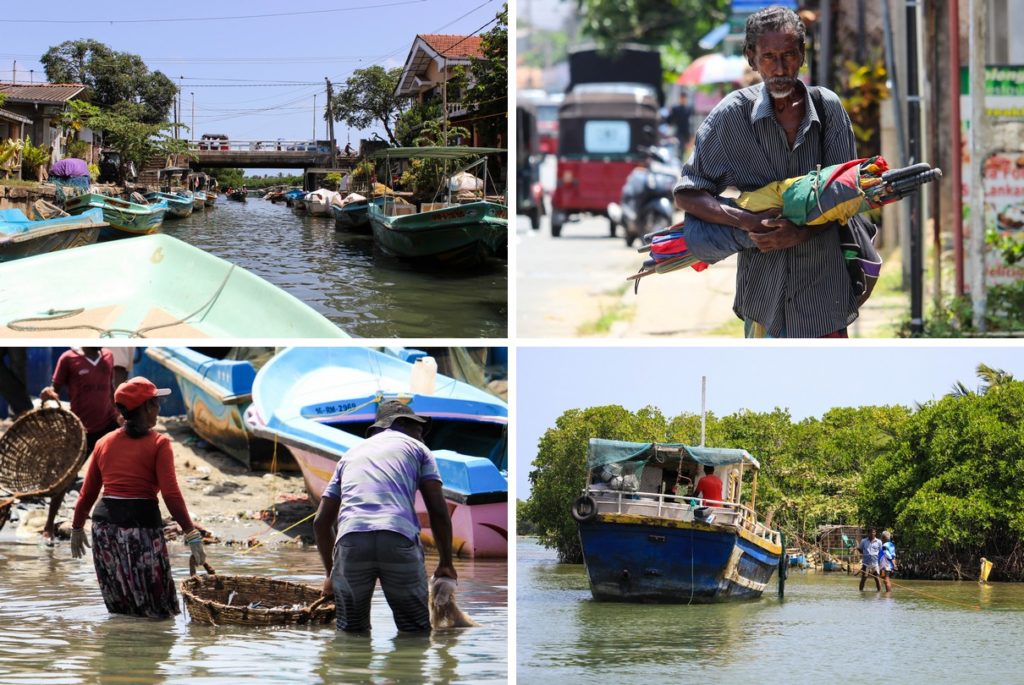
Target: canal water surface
<point>345,277</point>
<point>823,631</point>
<point>55,629</point>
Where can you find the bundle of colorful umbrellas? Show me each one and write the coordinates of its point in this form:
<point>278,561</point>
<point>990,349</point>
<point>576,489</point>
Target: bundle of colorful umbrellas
<point>835,193</point>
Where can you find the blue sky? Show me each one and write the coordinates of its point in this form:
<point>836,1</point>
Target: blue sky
<point>807,380</point>
<point>228,62</point>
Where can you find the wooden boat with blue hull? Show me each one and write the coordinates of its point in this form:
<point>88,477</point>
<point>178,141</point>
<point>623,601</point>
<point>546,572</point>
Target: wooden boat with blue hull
<point>125,219</point>
<point>355,216</point>
<point>22,237</point>
<point>643,544</point>
<point>153,286</point>
<point>320,401</point>
<point>178,206</point>
<point>217,392</point>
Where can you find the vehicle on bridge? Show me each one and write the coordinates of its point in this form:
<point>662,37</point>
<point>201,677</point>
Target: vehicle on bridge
<point>213,141</point>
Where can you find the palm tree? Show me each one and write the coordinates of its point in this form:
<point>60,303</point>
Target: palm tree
<point>991,380</point>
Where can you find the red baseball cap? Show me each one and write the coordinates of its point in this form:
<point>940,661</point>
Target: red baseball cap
<point>134,391</point>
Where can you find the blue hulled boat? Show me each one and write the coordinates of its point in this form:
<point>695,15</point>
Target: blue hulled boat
<point>641,543</point>
<point>24,237</point>
<point>216,384</point>
<point>320,401</point>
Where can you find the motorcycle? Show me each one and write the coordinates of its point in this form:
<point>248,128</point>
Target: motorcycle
<point>646,205</point>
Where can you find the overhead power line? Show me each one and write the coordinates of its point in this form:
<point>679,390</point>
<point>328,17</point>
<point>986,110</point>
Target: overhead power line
<point>208,19</point>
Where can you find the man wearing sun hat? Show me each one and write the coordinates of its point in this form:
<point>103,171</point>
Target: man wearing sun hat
<point>370,499</point>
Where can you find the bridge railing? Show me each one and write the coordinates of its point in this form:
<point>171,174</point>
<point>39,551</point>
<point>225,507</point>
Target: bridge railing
<point>297,146</point>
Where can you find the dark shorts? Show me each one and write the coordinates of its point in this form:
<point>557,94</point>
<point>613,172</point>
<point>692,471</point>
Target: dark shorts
<point>360,560</point>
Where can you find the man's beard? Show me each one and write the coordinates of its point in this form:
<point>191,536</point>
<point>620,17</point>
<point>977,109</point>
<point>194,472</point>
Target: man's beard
<point>780,87</point>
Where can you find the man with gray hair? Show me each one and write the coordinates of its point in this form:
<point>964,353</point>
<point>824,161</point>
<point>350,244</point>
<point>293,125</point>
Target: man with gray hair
<point>795,284</point>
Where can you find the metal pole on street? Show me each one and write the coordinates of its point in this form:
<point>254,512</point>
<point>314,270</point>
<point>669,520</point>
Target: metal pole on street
<point>978,140</point>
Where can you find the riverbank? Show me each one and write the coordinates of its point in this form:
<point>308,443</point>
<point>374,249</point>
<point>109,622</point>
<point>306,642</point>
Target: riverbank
<point>236,506</point>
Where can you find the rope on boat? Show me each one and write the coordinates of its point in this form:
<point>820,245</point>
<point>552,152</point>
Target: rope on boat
<point>56,314</point>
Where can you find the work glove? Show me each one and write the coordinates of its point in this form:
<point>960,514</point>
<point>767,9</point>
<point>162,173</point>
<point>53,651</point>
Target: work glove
<point>194,540</point>
<point>78,543</point>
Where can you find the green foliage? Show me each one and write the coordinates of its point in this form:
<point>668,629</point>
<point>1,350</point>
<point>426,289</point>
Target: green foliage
<point>409,123</point>
<point>369,97</point>
<point>1010,246</point>
<point>954,317</point>
<point>78,148</point>
<point>487,97</point>
<point>524,526</point>
<point>863,93</point>
<point>332,180</point>
<point>33,156</point>
<point>3,99</point>
<point>952,480</point>
<point>651,22</point>
<point>9,151</point>
<point>426,177</point>
<point>137,141</point>
<point>361,174</point>
<point>113,78</point>
<point>228,178</point>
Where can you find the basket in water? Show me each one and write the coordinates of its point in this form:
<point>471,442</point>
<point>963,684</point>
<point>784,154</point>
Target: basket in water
<point>41,452</point>
<point>207,597</point>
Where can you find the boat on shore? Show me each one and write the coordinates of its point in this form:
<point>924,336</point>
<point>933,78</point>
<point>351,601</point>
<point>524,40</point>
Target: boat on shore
<point>178,206</point>
<point>641,543</point>
<point>442,233</point>
<point>217,391</point>
<point>125,219</point>
<point>320,401</point>
<point>23,237</point>
<point>150,286</point>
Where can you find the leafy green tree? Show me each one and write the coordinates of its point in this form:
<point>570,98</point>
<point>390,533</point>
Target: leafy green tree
<point>409,123</point>
<point>560,472</point>
<point>135,140</point>
<point>487,97</point>
<point>524,526</point>
<point>369,97</point>
<point>115,80</point>
<point>651,22</point>
<point>227,177</point>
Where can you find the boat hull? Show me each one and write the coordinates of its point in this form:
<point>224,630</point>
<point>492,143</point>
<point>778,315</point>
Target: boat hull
<point>125,219</point>
<point>211,199</point>
<point>22,238</point>
<point>154,286</point>
<point>317,208</point>
<point>462,235</point>
<point>198,200</point>
<point>177,207</point>
<point>354,217</point>
<point>644,559</point>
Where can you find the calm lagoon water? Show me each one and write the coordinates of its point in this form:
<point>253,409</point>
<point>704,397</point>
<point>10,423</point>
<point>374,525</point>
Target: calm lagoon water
<point>823,631</point>
<point>344,277</point>
<point>55,629</point>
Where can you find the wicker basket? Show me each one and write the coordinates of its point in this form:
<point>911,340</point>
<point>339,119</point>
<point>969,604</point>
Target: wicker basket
<point>41,452</point>
<point>206,599</point>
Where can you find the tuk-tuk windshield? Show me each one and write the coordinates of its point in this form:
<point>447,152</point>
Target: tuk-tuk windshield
<point>606,137</point>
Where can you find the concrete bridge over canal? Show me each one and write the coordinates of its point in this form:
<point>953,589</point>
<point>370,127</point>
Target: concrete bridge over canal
<point>266,154</point>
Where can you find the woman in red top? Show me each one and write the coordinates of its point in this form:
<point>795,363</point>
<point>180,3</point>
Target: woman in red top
<point>132,465</point>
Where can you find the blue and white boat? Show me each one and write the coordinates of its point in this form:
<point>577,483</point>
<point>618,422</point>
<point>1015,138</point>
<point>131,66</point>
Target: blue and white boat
<point>216,385</point>
<point>642,543</point>
<point>320,401</point>
<point>24,237</point>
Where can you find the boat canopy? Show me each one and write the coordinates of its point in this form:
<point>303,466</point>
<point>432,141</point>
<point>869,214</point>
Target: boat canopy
<point>436,152</point>
<point>603,452</point>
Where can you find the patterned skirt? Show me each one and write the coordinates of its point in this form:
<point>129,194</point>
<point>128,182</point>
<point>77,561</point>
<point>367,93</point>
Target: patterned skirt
<point>134,570</point>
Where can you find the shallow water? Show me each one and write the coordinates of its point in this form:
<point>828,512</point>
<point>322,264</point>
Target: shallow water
<point>343,276</point>
<point>54,628</point>
<point>824,630</point>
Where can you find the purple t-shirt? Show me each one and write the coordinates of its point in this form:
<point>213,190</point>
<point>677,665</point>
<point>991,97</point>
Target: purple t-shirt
<point>377,482</point>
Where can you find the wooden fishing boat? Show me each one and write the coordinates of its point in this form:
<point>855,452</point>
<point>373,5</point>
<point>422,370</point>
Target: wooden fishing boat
<point>24,237</point>
<point>446,233</point>
<point>641,543</point>
<point>198,200</point>
<point>320,401</point>
<point>318,202</point>
<point>125,219</point>
<point>178,206</point>
<point>217,391</point>
<point>154,286</point>
<point>237,195</point>
<point>355,216</point>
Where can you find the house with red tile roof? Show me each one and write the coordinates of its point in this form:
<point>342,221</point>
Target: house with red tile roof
<point>43,104</point>
<point>430,66</point>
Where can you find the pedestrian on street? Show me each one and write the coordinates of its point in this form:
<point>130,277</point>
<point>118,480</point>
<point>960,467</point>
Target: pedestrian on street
<point>796,283</point>
<point>367,529</point>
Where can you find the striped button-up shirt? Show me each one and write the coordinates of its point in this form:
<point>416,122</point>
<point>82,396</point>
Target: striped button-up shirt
<point>803,291</point>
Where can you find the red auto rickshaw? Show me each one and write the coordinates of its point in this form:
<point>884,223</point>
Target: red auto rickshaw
<point>604,131</point>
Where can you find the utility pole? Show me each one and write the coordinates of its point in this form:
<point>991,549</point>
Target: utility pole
<point>14,73</point>
<point>444,103</point>
<point>914,150</point>
<point>330,124</point>
<point>193,135</point>
<point>314,119</point>
<point>978,146</point>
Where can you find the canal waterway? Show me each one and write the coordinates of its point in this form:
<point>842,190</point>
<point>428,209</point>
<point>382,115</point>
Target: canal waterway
<point>823,631</point>
<point>55,629</point>
<point>345,277</point>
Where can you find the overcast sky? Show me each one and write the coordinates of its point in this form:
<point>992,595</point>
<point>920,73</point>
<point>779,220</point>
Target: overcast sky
<point>807,380</point>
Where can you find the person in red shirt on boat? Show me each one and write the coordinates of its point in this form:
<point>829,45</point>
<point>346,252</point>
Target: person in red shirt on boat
<point>131,465</point>
<point>709,487</point>
<point>88,375</point>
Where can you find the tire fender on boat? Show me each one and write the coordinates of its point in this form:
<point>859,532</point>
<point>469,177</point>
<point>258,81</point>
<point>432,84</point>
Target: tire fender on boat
<point>584,509</point>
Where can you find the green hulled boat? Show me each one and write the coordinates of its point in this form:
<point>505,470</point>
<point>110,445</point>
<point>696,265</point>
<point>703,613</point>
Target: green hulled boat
<point>125,219</point>
<point>153,286</point>
<point>447,233</point>
<point>178,206</point>
<point>198,200</point>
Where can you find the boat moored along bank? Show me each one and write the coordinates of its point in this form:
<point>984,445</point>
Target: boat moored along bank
<point>22,237</point>
<point>126,219</point>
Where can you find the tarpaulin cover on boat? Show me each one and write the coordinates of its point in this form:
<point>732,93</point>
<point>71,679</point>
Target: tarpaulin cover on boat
<point>603,452</point>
